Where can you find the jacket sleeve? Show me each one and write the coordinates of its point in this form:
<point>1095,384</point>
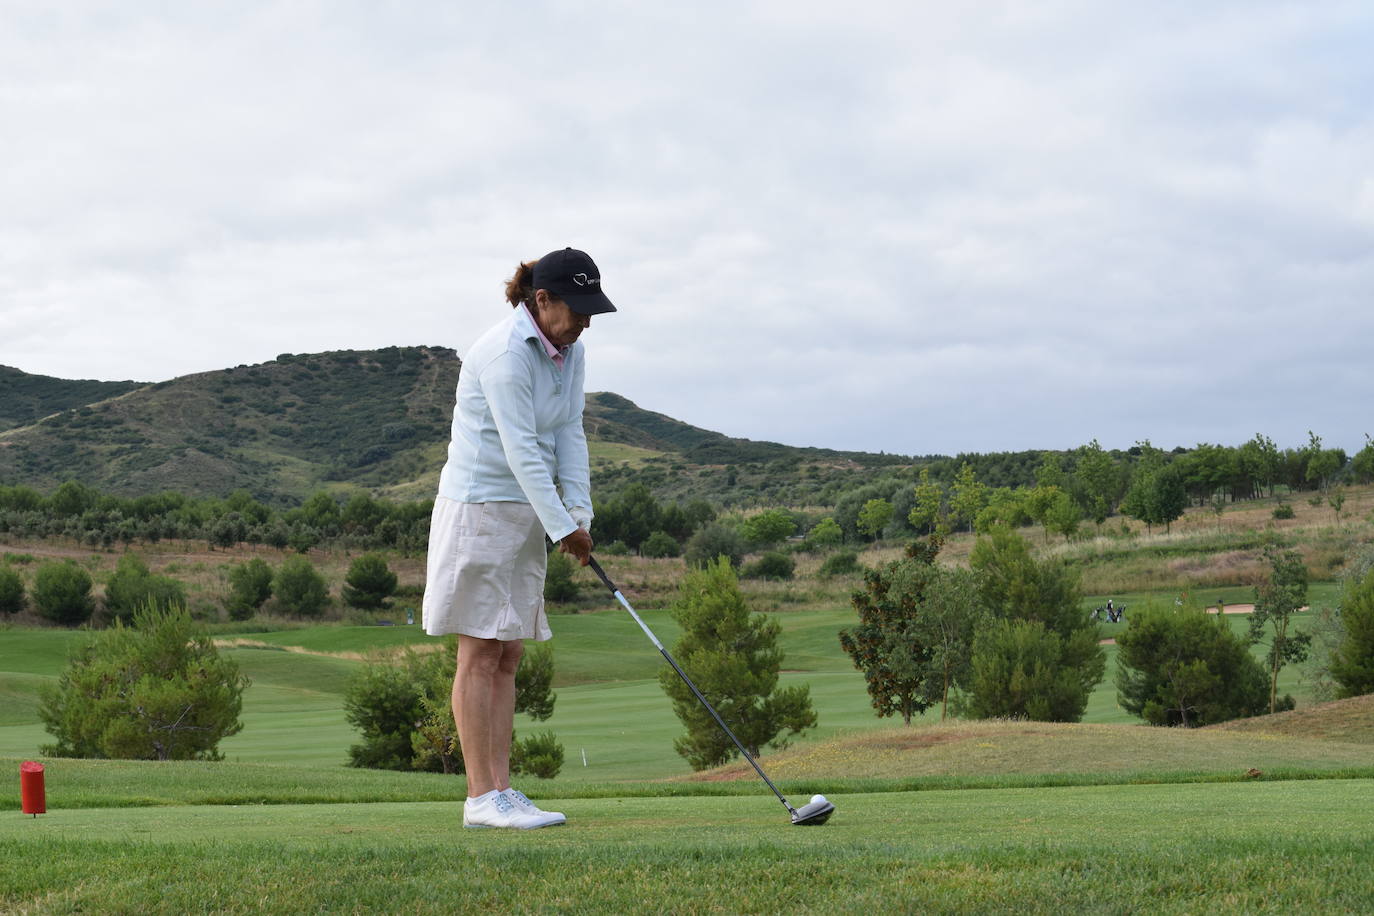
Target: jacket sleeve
<point>509,391</point>
<point>570,447</point>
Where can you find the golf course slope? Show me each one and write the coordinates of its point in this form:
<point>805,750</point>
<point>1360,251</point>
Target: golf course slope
<point>1350,721</point>
<point>1329,738</point>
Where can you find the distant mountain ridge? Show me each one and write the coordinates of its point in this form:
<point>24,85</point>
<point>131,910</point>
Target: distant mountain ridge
<point>282,429</point>
<point>27,398</point>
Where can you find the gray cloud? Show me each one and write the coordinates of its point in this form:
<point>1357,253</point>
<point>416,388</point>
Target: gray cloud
<point>877,225</point>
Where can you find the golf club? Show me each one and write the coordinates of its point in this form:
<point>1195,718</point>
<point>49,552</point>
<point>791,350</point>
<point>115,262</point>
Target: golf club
<point>813,813</point>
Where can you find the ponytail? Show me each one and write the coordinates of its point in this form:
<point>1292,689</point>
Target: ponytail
<point>520,288</point>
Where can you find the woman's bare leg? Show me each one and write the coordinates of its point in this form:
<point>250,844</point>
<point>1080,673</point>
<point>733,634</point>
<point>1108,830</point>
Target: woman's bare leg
<point>484,709</point>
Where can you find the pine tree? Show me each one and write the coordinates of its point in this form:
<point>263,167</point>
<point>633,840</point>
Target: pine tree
<point>156,691</point>
<point>1183,667</point>
<point>1352,662</point>
<point>369,582</point>
<point>733,658</point>
<point>250,586</point>
<point>299,588</point>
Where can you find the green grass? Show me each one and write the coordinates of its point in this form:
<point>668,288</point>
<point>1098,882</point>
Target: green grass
<point>1257,847</point>
<point>965,817</point>
<point>610,705</point>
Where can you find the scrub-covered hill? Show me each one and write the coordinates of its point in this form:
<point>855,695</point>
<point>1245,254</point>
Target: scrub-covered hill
<point>279,429</point>
<point>26,398</point>
<point>370,418</point>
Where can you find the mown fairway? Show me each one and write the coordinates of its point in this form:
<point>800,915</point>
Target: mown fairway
<point>609,705</point>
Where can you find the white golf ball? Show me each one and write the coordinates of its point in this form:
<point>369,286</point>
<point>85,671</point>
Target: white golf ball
<point>817,799</point>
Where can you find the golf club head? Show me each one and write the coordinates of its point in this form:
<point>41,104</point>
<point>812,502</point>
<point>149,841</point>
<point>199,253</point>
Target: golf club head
<point>813,814</point>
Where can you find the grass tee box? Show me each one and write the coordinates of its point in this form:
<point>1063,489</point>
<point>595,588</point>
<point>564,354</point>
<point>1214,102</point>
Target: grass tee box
<point>1279,847</point>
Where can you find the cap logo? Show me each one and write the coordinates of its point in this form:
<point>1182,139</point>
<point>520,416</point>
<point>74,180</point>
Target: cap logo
<point>584,280</point>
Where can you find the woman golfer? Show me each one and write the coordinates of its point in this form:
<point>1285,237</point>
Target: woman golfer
<point>517,440</point>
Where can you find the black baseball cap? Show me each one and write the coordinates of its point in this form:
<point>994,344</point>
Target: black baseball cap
<point>573,277</point>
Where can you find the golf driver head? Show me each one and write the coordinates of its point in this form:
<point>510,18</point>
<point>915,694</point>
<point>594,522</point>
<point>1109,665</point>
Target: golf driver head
<point>813,813</point>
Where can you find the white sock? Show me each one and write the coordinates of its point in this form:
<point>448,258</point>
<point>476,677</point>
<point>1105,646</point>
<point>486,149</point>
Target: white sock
<point>483,797</point>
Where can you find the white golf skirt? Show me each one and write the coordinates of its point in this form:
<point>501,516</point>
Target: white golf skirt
<point>484,575</point>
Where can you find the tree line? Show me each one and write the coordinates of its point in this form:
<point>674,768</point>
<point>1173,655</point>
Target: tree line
<point>636,511</point>
<point>1092,484</point>
<point>88,516</point>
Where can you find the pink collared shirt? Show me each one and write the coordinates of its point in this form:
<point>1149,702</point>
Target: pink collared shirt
<point>554,353</point>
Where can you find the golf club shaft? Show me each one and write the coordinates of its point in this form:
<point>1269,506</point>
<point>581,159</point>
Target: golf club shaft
<point>601,573</point>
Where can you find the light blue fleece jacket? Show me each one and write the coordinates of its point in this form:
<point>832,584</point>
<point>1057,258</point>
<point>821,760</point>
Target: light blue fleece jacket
<point>517,428</point>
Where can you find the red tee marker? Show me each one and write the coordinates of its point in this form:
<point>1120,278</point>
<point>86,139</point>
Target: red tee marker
<point>31,788</point>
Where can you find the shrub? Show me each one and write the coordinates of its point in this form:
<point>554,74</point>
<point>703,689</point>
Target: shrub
<point>1352,662</point>
<point>156,691</point>
<point>133,586</point>
<point>660,544</point>
<point>369,583</point>
<point>842,563</point>
<point>434,742</point>
<point>62,593</point>
<point>1021,669</point>
<point>827,533</point>
<point>1178,666</point>
<point>559,584</point>
<point>538,755</point>
<point>615,549</point>
<point>771,565</point>
<point>299,588</point>
<point>384,701</point>
<point>714,540</point>
<point>250,585</point>
<point>1283,510</point>
<point>11,591</point>
<point>402,708</point>
<point>534,693</point>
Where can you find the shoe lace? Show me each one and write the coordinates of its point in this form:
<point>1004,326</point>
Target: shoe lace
<point>503,804</point>
<point>519,796</point>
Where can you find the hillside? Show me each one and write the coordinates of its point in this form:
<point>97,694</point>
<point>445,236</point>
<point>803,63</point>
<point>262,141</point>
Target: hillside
<point>26,398</point>
<point>612,418</point>
<point>1350,720</point>
<point>279,429</point>
<point>371,418</point>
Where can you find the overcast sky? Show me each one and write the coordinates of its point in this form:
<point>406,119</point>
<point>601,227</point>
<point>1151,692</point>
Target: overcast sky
<point>901,226</point>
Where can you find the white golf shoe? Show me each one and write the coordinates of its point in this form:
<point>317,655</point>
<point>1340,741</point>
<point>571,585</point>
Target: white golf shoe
<point>495,809</point>
<point>523,804</point>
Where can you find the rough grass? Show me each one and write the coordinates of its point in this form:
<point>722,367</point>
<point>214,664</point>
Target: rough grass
<point>1350,721</point>
<point>987,749</point>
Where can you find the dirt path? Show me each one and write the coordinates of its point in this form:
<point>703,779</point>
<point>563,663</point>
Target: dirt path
<point>234,642</point>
